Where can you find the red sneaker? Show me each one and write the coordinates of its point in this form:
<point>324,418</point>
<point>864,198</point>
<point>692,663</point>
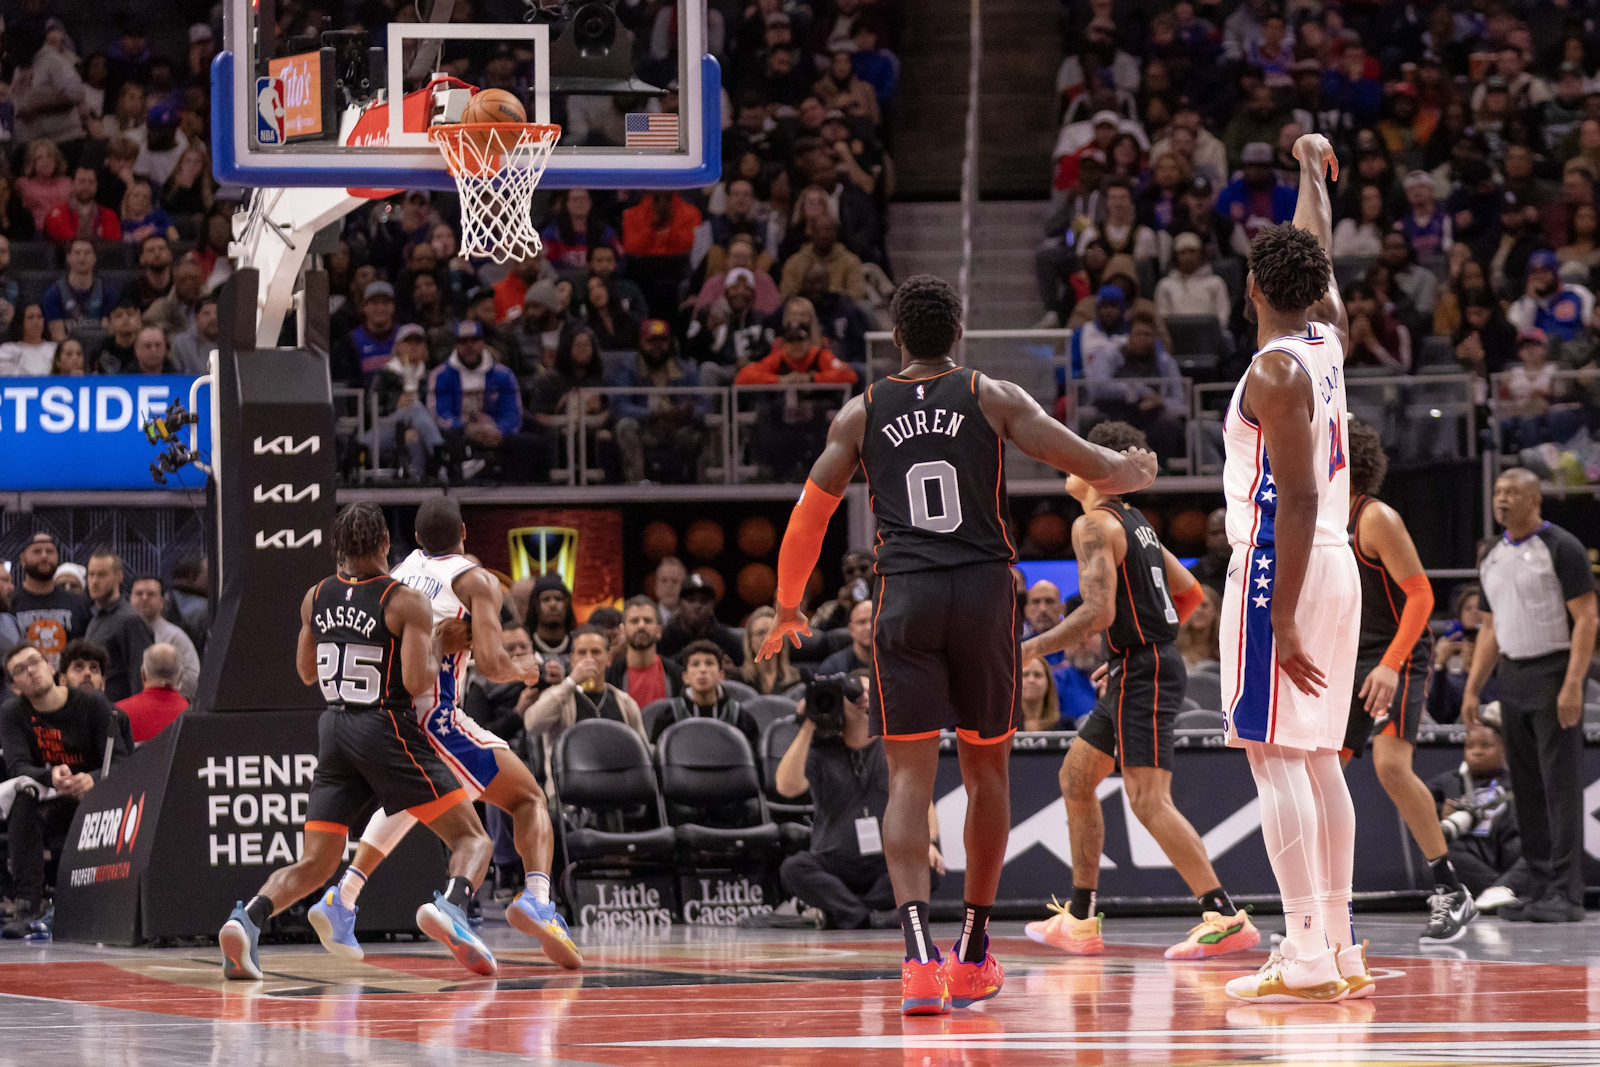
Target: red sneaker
<point>971,982</point>
<point>922,988</point>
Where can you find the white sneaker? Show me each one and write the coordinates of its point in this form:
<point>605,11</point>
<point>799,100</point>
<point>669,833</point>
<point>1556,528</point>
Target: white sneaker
<point>1494,897</point>
<point>1286,979</point>
<point>471,468</point>
<point>1354,970</point>
<point>1050,321</point>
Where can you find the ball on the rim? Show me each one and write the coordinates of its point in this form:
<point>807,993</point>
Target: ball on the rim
<point>494,105</point>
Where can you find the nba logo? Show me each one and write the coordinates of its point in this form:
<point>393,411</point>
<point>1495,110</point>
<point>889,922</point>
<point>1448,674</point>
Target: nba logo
<point>269,111</point>
<point>922,392</point>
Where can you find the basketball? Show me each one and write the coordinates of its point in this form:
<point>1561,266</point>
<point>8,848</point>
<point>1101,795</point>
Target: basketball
<point>494,105</point>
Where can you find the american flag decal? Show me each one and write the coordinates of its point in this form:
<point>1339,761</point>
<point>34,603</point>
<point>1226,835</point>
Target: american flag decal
<point>651,131</point>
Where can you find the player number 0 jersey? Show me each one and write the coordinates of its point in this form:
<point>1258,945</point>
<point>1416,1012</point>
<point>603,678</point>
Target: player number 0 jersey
<point>1247,480</point>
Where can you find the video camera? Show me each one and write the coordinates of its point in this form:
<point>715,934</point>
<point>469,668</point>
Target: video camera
<point>165,429</point>
<point>825,697</point>
<point>1460,823</point>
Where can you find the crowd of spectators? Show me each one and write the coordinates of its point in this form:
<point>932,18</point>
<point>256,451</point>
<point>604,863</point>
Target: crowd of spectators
<point>1466,207</point>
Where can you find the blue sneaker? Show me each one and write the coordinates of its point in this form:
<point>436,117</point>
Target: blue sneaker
<point>542,921</point>
<point>335,925</point>
<point>238,939</point>
<point>447,924</point>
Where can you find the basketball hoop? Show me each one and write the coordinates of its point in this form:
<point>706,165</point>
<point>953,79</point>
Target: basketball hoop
<point>497,166</point>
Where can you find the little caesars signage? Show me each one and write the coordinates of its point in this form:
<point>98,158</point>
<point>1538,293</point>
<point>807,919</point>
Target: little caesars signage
<point>714,898</point>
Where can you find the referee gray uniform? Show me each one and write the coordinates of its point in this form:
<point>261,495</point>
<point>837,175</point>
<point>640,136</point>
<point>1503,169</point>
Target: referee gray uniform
<point>1526,585</point>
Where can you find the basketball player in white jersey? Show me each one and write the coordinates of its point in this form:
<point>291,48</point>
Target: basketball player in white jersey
<point>1291,609</point>
<point>460,589</point>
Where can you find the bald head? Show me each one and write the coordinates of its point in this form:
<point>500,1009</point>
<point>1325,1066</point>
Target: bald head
<point>1517,500</point>
<point>1217,533</point>
<point>1043,607</point>
<point>160,665</point>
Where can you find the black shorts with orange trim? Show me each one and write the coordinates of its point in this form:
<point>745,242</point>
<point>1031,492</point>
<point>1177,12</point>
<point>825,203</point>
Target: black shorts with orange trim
<point>1132,721</point>
<point>944,654</point>
<point>376,758</point>
<point>1405,710</point>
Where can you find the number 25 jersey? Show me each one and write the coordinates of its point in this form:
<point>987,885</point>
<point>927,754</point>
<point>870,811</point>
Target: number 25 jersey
<point>358,658</point>
<point>936,474</point>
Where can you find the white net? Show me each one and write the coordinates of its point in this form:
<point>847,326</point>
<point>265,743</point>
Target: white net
<point>497,166</point>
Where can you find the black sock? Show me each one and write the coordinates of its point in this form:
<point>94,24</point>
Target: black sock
<point>259,909</point>
<point>975,933</point>
<point>458,892</point>
<point>1217,900</point>
<point>1082,906</point>
<point>914,924</point>
<point>1444,874</point>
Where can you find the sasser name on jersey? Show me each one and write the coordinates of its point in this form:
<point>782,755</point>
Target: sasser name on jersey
<point>342,616</point>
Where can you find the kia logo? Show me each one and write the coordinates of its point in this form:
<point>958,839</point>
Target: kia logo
<point>285,446</point>
<point>285,493</point>
<point>287,539</point>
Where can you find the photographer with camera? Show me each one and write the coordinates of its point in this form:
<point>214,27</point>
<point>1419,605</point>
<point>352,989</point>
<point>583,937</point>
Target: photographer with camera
<point>1480,822</point>
<point>844,875</point>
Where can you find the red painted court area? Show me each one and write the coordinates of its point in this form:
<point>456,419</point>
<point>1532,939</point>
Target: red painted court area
<point>827,1000</point>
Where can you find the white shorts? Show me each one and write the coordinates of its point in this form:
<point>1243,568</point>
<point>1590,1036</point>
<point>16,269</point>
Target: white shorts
<point>1259,702</point>
<point>466,748</point>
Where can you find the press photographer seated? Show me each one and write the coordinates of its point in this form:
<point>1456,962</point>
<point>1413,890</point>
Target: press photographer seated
<point>844,875</point>
<point>1480,822</point>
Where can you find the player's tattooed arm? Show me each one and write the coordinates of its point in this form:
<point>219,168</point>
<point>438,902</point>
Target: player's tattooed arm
<point>1018,417</point>
<point>410,613</point>
<point>1096,547</point>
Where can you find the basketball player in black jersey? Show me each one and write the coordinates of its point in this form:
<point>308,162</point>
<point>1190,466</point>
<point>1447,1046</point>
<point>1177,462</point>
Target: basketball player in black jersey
<point>369,643</point>
<point>1392,662</point>
<point>1138,593</point>
<point>931,442</point>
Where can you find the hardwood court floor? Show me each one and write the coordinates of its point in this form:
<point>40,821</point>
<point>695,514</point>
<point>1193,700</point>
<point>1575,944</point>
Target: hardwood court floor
<point>1505,994</point>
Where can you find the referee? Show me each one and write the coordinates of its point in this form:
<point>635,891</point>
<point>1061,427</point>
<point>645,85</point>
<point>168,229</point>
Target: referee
<point>1534,578</point>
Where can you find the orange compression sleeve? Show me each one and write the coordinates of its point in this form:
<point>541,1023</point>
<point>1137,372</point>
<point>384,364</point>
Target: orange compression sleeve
<point>802,542</point>
<point>1187,600</point>
<point>1413,620</point>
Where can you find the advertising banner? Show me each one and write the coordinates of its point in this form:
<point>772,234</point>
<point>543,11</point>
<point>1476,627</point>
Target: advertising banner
<point>88,433</point>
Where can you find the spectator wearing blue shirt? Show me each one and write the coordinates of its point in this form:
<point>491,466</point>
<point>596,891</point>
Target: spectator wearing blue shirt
<point>1041,612</point>
<point>358,358</point>
<point>1256,198</point>
<point>1154,408</point>
<point>478,403</point>
<point>1559,310</point>
<point>80,299</point>
<point>878,67</point>
<point>669,428</point>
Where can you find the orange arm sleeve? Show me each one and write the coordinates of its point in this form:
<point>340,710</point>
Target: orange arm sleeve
<point>802,542</point>
<point>1187,600</point>
<point>1413,620</point>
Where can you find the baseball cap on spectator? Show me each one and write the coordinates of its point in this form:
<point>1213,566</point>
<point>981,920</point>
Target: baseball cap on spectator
<point>1183,242</point>
<point>658,327</point>
<point>1103,118</point>
<point>469,330</point>
<point>374,290</point>
<point>78,570</point>
<point>410,330</point>
<point>199,32</point>
<point>1199,185</point>
<point>1110,294</point>
<point>695,587</point>
<point>1256,153</point>
<point>1543,259</point>
<point>740,274</point>
<point>1418,177</point>
<point>1530,335</point>
<point>544,294</point>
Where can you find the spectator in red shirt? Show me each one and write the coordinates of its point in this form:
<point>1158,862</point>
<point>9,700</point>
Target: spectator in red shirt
<point>663,224</point>
<point>153,708</point>
<point>641,672</point>
<point>81,215</point>
<point>792,424</point>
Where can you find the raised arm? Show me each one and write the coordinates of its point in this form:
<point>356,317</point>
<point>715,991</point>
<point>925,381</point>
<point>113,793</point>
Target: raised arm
<point>1314,212</point>
<point>480,592</point>
<point>1099,545</point>
<point>1017,417</point>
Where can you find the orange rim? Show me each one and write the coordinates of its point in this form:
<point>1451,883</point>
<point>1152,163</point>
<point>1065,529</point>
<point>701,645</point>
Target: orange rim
<point>491,139</point>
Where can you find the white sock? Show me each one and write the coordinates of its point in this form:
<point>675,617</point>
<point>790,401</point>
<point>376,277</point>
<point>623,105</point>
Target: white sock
<point>538,884</point>
<point>1336,845</point>
<point>350,886</point>
<point>1288,814</point>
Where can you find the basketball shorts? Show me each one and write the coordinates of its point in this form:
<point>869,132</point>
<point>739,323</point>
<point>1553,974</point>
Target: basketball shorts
<point>375,758</point>
<point>944,654</point>
<point>1404,711</point>
<point>466,747</point>
<point>1132,721</point>
<point>1259,701</point>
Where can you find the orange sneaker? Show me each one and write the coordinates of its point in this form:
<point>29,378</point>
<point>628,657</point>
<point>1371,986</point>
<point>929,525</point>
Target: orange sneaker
<point>1077,937</point>
<point>1217,935</point>
<point>923,989</point>
<point>971,982</point>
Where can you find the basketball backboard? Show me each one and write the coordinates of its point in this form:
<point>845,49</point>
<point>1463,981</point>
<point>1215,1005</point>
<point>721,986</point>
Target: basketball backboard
<point>300,105</point>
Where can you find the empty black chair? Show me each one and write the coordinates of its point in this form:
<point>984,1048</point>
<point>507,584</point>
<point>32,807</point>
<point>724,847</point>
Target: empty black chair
<point>34,255</point>
<point>739,691</point>
<point>602,775</point>
<point>1205,689</point>
<point>713,791</point>
<point>768,710</point>
<point>116,255</point>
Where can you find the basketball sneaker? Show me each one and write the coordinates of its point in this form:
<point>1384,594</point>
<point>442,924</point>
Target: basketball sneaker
<point>1217,935</point>
<point>923,988</point>
<point>238,939</point>
<point>447,924</point>
<point>335,925</point>
<point>543,922</point>
<point>1354,970</point>
<point>1287,979</point>
<point>1076,937</point>
<point>1449,912</point>
<point>971,982</point>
